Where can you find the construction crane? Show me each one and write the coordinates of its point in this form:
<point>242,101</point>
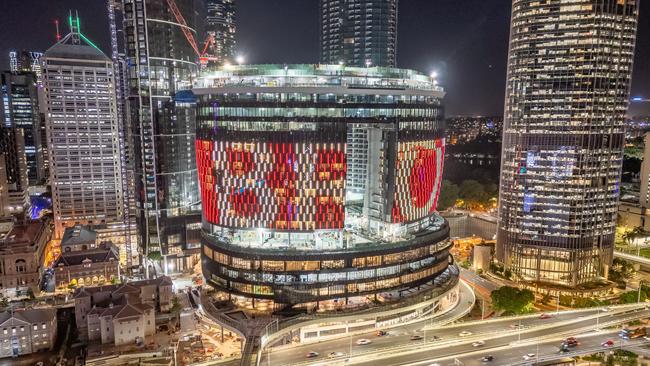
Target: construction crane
<point>203,56</point>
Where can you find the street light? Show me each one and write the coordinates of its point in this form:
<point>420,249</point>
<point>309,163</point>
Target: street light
<point>433,75</point>
<point>240,59</point>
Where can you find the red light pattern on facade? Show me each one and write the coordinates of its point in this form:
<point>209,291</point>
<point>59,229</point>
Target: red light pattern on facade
<point>423,176</point>
<point>205,165</point>
<point>331,165</point>
<point>417,179</point>
<point>285,186</point>
<point>240,160</point>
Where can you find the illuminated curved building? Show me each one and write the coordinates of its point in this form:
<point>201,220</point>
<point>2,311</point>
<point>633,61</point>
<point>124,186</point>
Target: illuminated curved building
<point>277,146</point>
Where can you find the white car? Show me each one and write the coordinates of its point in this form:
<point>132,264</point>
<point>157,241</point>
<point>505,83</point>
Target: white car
<point>363,341</point>
<point>465,333</point>
<point>529,356</point>
<point>478,343</point>
<point>335,354</point>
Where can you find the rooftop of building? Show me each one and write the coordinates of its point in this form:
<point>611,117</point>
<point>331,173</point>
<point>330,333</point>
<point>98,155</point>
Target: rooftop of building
<point>319,75</point>
<point>123,288</point>
<point>104,253</point>
<point>28,316</point>
<point>75,45</point>
<point>78,235</point>
<point>23,237</point>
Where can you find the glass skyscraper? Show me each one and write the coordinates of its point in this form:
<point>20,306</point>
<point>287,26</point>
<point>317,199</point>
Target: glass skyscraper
<point>358,32</point>
<point>569,71</point>
<point>220,24</point>
<point>160,61</point>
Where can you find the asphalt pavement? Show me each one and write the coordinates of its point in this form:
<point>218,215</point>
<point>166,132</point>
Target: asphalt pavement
<point>397,348</point>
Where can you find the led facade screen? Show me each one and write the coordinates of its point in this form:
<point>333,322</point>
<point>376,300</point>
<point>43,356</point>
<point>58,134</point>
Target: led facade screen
<point>418,175</point>
<point>297,186</point>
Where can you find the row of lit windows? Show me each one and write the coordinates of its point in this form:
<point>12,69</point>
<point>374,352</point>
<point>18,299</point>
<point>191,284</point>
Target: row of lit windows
<point>302,265</point>
<point>352,288</point>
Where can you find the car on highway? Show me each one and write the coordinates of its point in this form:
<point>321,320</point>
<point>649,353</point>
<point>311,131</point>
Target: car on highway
<point>607,343</point>
<point>381,333</point>
<point>465,333</point>
<point>363,342</point>
<point>545,316</point>
<point>436,338</point>
<point>312,354</point>
<point>335,354</point>
<point>488,358</point>
<point>571,342</point>
<point>478,343</point>
<point>416,337</point>
<point>529,356</point>
<point>517,326</point>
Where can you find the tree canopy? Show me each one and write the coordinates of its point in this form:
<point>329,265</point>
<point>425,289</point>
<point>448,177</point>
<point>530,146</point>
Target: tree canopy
<point>512,300</point>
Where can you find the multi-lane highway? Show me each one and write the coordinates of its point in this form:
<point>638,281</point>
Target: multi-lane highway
<point>398,348</point>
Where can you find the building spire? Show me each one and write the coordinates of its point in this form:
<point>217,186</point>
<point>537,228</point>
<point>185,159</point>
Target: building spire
<point>73,22</point>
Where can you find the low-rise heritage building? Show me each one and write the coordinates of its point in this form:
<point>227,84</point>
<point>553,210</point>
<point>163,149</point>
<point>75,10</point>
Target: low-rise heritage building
<point>23,332</point>
<point>22,252</point>
<point>121,314</point>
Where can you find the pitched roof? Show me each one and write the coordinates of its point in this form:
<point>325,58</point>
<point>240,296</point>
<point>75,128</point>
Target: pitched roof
<point>128,311</point>
<point>99,255</point>
<point>28,316</point>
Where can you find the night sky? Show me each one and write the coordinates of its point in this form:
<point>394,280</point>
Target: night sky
<point>465,41</point>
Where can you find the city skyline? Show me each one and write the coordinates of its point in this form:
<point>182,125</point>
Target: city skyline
<point>466,41</point>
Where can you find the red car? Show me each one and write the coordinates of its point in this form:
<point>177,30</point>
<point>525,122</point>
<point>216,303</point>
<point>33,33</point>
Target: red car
<point>545,316</point>
<point>381,333</point>
<point>607,343</point>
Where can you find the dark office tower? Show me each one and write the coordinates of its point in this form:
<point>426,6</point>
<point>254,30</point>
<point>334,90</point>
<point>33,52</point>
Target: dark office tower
<point>220,27</point>
<point>358,32</point>
<point>162,58</point>
<point>569,71</point>
<point>14,179</point>
<point>20,110</point>
<point>118,56</point>
<point>26,61</point>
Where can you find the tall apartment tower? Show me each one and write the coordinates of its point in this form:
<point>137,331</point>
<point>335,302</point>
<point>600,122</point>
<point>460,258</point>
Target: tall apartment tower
<point>82,132</point>
<point>220,26</point>
<point>20,109</point>
<point>567,90</point>
<point>161,61</point>
<point>358,32</point>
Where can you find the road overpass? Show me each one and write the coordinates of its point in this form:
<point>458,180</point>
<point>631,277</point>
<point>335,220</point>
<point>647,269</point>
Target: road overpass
<point>397,348</point>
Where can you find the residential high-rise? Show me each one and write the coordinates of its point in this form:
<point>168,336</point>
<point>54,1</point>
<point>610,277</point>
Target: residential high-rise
<point>358,32</point>
<point>569,71</point>
<point>20,109</point>
<point>82,132</point>
<point>162,59</point>
<point>14,180</point>
<point>220,26</point>
<point>272,155</point>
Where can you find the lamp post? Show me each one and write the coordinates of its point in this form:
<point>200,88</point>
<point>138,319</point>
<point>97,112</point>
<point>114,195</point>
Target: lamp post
<point>638,299</point>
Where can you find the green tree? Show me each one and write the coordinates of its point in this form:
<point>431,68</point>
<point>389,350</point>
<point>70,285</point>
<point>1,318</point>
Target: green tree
<point>448,195</point>
<point>512,300</point>
<point>154,256</point>
<point>621,270</point>
<point>473,193</point>
<point>631,297</point>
